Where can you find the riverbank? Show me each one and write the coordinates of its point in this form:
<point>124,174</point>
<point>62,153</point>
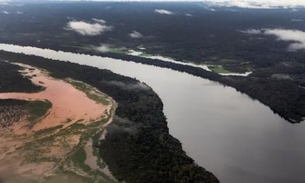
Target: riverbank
<point>51,145</point>
<point>282,96</point>
<point>232,128</point>
<point>139,129</point>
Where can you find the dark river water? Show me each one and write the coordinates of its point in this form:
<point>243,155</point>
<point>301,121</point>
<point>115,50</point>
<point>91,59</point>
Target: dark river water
<point>238,139</point>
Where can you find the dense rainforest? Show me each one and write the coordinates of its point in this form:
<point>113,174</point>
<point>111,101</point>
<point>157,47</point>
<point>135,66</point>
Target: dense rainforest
<point>209,37</point>
<point>11,111</point>
<point>12,81</point>
<point>192,33</point>
<point>138,147</point>
<point>284,97</point>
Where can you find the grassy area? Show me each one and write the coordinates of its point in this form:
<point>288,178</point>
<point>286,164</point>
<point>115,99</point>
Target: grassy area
<point>146,55</point>
<point>79,158</point>
<point>88,90</point>
<point>218,69</point>
<point>37,109</point>
<point>119,50</point>
<point>79,47</point>
<point>47,131</point>
<point>95,141</point>
<point>227,60</point>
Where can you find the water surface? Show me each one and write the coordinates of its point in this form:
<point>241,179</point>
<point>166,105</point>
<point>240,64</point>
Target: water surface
<point>240,140</point>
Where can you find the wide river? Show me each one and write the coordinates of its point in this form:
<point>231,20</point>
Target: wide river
<point>238,139</point>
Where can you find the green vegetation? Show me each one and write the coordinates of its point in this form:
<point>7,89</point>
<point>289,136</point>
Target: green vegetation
<point>11,111</point>
<point>227,60</point>
<point>79,158</point>
<point>218,69</point>
<point>119,50</point>
<point>138,147</point>
<point>47,131</point>
<point>89,92</point>
<point>37,109</point>
<point>74,161</point>
<point>146,55</point>
<point>83,47</point>
<point>11,79</point>
<point>68,120</point>
<point>95,144</point>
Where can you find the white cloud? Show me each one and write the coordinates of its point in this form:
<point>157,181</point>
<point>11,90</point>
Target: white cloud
<point>252,31</point>
<point>136,35</point>
<point>5,12</point>
<point>19,12</point>
<point>188,15</point>
<point>99,20</point>
<point>266,4</point>
<point>87,29</point>
<point>263,4</point>
<point>136,86</point>
<point>3,2</point>
<point>103,48</point>
<point>297,20</point>
<point>163,11</point>
<point>282,76</point>
<point>296,36</point>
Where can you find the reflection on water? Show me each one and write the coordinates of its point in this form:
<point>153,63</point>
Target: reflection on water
<point>238,139</point>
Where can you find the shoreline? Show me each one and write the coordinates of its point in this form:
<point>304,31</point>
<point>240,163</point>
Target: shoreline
<point>141,122</point>
<point>55,139</point>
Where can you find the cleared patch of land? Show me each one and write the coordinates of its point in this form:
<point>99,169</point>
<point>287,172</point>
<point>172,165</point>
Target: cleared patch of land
<point>218,69</point>
<point>56,137</point>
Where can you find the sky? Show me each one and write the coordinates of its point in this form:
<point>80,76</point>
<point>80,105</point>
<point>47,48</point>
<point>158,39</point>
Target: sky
<point>260,3</point>
<point>239,3</point>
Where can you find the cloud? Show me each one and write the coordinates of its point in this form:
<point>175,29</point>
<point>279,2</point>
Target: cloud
<point>87,29</point>
<point>188,15</point>
<point>136,35</point>
<point>3,3</point>
<point>123,125</point>
<point>252,31</point>
<point>297,20</point>
<point>113,129</point>
<point>103,48</point>
<point>99,20</point>
<point>19,12</point>
<point>257,4</point>
<point>162,11</point>
<point>136,86</point>
<point>122,121</point>
<point>5,12</point>
<point>281,76</point>
<point>253,4</point>
<point>261,4</point>
<point>296,36</point>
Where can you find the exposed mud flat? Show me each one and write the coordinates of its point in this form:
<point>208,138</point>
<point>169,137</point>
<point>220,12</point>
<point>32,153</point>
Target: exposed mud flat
<point>55,147</point>
<point>68,102</point>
